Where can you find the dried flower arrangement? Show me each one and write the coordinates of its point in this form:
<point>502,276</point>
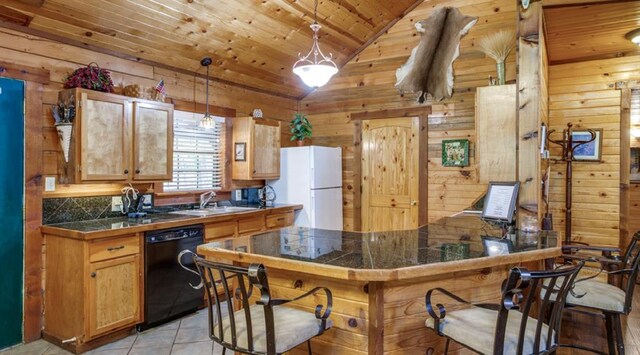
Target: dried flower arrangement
<point>90,77</point>
<point>498,46</point>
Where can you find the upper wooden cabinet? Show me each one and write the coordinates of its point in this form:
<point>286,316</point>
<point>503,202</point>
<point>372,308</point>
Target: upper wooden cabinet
<point>256,149</point>
<point>118,138</point>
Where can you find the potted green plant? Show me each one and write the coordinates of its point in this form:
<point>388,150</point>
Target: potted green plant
<point>300,128</point>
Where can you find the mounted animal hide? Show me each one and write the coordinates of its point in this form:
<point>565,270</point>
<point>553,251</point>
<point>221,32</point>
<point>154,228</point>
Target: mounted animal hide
<point>429,69</point>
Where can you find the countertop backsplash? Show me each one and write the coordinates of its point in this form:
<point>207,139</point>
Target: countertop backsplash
<point>76,209</point>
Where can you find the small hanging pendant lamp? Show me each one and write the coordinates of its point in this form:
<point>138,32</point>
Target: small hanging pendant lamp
<point>207,121</point>
<point>315,69</point>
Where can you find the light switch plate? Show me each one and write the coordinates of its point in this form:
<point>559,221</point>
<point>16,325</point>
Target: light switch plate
<point>50,183</point>
<point>116,203</point>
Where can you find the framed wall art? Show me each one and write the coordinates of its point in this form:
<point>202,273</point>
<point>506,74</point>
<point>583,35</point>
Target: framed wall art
<point>240,152</point>
<point>591,151</point>
<point>455,152</point>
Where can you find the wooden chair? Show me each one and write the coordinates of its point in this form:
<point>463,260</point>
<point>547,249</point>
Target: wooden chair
<point>516,325</point>
<point>606,299</point>
<point>267,327</point>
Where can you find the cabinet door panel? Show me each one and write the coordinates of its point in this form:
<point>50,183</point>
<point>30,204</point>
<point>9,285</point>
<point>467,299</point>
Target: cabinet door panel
<point>153,146</point>
<point>105,137</point>
<point>266,150</point>
<point>114,294</point>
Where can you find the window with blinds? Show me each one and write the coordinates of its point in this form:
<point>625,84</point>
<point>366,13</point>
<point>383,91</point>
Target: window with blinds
<point>197,153</point>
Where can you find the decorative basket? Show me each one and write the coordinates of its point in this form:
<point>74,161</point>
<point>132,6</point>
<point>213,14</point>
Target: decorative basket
<point>143,92</point>
<point>90,77</point>
<point>64,134</point>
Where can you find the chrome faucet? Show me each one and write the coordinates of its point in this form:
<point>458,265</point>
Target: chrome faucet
<point>206,197</point>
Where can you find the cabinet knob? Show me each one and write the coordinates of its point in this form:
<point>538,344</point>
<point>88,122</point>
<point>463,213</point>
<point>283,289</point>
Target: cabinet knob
<point>137,171</point>
<point>93,274</point>
<point>126,171</point>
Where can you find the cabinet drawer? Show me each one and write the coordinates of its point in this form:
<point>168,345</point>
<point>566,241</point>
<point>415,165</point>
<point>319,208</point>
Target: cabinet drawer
<point>280,220</point>
<point>251,224</point>
<point>113,248</point>
<point>220,230</point>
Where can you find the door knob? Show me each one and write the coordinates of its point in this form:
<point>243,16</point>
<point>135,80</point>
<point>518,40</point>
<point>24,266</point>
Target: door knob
<point>93,274</point>
<point>126,171</point>
<point>137,171</point>
<point>413,203</point>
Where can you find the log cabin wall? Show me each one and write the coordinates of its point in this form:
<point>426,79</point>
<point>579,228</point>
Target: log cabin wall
<point>583,93</point>
<point>367,84</point>
<point>61,59</point>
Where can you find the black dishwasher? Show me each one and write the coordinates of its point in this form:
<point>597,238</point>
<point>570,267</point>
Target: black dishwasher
<point>167,287</point>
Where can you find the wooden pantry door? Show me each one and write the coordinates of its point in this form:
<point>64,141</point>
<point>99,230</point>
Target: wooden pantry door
<point>390,174</point>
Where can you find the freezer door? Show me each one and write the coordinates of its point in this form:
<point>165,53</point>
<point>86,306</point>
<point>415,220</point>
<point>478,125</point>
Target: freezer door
<point>326,209</point>
<point>326,167</point>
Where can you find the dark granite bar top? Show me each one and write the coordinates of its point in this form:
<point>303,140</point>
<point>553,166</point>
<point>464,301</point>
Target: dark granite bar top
<point>107,227</point>
<point>451,239</point>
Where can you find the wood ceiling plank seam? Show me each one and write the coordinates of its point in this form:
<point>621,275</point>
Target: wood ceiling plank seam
<point>109,44</point>
<point>271,29</point>
<point>199,53</point>
<point>306,15</point>
<point>43,47</point>
<point>125,56</point>
<point>265,75</point>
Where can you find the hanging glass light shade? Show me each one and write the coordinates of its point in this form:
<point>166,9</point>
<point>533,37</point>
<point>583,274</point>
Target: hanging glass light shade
<point>315,69</point>
<point>207,121</point>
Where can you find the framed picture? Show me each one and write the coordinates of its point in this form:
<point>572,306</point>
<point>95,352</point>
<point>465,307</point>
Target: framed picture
<point>591,151</point>
<point>240,152</point>
<point>455,152</point>
<point>495,246</point>
<point>500,201</point>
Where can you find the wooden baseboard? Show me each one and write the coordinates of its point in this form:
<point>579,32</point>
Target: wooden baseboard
<point>90,345</point>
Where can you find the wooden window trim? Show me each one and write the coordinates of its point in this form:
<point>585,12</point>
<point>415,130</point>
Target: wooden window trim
<point>166,198</point>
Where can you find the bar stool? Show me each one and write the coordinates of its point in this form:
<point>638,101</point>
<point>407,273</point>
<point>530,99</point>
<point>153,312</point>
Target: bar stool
<point>609,299</point>
<point>267,327</point>
<point>514,326</point>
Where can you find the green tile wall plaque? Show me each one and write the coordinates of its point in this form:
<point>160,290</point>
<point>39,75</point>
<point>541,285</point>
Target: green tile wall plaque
<point>455,152</point>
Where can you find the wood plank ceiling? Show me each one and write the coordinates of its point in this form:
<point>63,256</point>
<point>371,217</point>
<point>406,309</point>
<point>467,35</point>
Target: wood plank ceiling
<point>254,43</point>
<point>593,31</point>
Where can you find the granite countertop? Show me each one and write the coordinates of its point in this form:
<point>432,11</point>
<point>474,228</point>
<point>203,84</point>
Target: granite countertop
<point>456,239</point>
<point>106,227</point>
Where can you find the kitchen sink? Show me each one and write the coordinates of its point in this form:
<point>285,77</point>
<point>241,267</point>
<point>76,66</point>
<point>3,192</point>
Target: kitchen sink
<point>214,210</point>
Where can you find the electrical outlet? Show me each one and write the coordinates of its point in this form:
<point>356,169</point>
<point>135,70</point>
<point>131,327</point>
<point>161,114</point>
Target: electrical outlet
<point>238,195</point>
<point>50,183</point>
<point>116,203</point>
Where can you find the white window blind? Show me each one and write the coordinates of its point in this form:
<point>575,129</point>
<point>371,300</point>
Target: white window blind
<point>197,153</point>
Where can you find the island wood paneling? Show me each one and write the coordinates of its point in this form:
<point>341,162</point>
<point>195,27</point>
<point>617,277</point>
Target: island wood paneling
<point>61,59</point>
<point>584,94</point>
<point>367,84</point>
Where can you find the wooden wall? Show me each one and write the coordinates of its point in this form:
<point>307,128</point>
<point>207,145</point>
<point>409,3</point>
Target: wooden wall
<point>61,59</point>
<point>367,84</point>
<point>583,93</point>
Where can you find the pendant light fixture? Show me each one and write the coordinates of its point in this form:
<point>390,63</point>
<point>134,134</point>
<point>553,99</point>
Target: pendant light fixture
<point>207,121</point>
<point>634,36</point>
<point>315,69</point>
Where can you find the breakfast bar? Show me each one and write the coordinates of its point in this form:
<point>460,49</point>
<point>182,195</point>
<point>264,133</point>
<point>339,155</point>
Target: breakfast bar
<point>379,279</point>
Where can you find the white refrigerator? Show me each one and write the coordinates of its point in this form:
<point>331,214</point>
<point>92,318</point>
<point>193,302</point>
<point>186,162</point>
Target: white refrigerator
<point>312,176</point>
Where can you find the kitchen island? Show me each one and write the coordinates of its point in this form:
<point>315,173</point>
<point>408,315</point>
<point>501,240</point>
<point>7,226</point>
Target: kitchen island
<point>379,279</point>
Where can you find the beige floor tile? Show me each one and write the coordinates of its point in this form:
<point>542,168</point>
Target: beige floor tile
<point>37,347</point>
<point>124,343</point>
<point>192,335</point>
<point>101,351</point>
<point>151,351</point>
<point>199,348</point>
<point>155,338</point>
<point>197,320</point>
<point>54,350</point>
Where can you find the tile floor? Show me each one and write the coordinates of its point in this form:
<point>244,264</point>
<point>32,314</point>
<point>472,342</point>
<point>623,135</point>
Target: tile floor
<point>186,336</point>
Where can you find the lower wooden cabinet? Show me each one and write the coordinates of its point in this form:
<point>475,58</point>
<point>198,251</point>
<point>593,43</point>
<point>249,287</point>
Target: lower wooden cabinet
<point>114,294</point>
<point>92,288</point>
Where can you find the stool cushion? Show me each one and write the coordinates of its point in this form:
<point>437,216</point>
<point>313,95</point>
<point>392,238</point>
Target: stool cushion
<point>475,327</point>
<point>597,294</point>
<point>292,327</point>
